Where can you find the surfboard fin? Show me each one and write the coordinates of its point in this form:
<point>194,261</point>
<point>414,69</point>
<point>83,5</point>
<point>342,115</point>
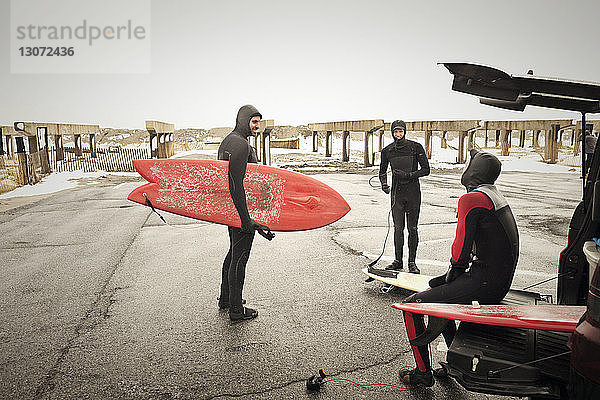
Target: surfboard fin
<point>387,289</point>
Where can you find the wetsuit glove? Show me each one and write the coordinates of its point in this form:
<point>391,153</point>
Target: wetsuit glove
<point>386,189</point>
<point>251,225</point>
<point>266,233</point>
<point>263,230</point>
<point>453,273</point>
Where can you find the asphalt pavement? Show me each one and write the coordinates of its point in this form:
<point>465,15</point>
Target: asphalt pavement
<point>100,299</point>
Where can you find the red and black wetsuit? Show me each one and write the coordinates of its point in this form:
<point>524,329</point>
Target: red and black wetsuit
<point>484,252</point>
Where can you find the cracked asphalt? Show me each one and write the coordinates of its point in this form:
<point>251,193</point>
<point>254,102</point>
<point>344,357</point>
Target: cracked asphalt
<point>100,299</point>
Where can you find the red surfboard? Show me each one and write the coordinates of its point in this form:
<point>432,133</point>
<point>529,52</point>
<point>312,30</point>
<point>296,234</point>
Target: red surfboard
<point>543,317</point>
<point>283,200</point>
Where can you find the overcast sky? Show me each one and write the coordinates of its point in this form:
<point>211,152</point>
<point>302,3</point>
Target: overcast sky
<point>315,61</point>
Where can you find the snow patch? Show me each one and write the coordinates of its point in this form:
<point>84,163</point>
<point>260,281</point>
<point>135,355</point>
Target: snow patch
<point>58,181</point>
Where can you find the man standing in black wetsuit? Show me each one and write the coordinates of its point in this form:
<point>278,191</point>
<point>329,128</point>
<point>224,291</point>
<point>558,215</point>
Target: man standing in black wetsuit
<point>409,163</point>
<point>485,252</point>
<point>236,149</point>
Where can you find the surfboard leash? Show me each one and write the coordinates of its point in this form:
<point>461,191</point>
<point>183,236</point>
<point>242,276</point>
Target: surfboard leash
<point>315,382</point>
<point>149,203</point>
<point>372,263</point>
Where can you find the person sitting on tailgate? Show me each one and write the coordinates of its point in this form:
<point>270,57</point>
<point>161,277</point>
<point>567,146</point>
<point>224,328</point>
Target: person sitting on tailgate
<point>484,256</point>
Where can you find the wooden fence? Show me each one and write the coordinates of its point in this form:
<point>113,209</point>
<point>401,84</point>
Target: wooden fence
<point>37,166</point>
<point>110,159</point>
<point>11,176</point>
<point>14,172</point>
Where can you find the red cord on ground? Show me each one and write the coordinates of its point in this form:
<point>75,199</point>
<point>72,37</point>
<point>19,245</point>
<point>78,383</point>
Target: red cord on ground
<point>370,384</point>
<point>374,384</point>
<point>382,384</point>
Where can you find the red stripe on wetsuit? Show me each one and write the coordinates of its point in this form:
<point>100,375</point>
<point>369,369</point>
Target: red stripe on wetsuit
<point>466,204</point>
<point>409,320</point>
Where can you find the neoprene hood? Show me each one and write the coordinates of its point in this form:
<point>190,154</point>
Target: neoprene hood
<point>398,124</point>
<point>483,168</point>
<point>244,116</point>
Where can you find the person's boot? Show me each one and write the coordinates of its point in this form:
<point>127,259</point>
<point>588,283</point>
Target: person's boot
<point>414,377</point>
<point>224,302</point>
<point>245,314</point>
<point>413,269</point>
<point>395,266</point>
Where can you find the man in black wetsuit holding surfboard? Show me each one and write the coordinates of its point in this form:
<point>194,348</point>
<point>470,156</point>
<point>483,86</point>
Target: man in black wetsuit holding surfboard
<point>236,149</point>
<point>409,163</point>
<point>485,252</point>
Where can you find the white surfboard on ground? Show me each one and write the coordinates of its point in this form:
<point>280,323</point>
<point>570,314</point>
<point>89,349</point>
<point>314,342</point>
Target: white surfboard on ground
<point>405,280</point>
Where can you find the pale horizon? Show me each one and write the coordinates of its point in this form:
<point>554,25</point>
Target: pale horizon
<point>314,62</point>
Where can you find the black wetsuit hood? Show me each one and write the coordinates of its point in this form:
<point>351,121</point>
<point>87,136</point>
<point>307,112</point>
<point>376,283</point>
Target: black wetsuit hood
<point>483,168</point>
<point>242,123</point>
<point>398,124</point>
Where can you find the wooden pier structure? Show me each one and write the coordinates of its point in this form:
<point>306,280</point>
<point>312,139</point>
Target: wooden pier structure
<point>467,130</point>
<point>161,139</point>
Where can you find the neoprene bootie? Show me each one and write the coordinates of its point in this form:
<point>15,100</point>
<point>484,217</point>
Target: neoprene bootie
<point>395,266</point>
<point>224,304</point>
<point>413,269</point>
<point>414,377</point>
<point>245,314</point>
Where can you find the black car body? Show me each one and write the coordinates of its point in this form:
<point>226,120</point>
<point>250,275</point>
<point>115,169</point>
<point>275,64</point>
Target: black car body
<point>527,362</point>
